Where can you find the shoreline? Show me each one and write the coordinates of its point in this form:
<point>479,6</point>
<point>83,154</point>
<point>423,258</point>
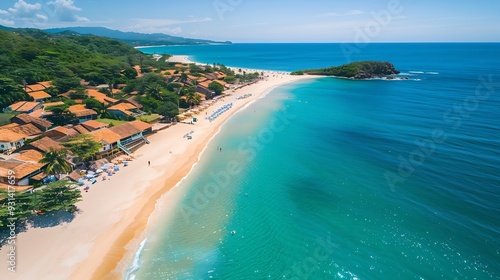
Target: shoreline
<point>102,240</point>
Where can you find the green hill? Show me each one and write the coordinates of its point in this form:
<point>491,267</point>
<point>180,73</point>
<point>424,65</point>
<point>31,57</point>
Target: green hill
<point>32,55</point>
<point>135,38</point>
<point>356,70</point>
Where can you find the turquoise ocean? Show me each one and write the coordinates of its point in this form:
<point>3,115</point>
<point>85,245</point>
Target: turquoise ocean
<point>338,179</point>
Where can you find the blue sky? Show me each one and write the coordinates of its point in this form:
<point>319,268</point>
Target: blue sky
<point>271,21</point>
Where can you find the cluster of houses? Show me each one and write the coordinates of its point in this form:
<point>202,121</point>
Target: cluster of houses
<point>39,107</point>
<point>29,135</point>
<point>201,81</point>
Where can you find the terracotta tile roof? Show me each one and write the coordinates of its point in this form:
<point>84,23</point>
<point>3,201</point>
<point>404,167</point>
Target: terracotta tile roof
<point>23,106</point>
<point>30,155</point>
<point>38,122</point>
<point>125,130</point>
<point>40,176</point>
<point>124,108</point>
<point>133,102</point>
<point>26,129</point>
<point>21,169</point>
<point>106,135</point>
<point>39,95</point>
<point>220,82</point>
<point>93,125</point>
<point>142,126</point>
<point>37,87</point>
<point>52,104</point>
<point>65,131</point>
<point>101,97</point>
<point>81,129</point>
<point>46,144</point>
<point>37,113</point>
<point>81,111</point>
<point>18,188</point>
<point>10,136</point>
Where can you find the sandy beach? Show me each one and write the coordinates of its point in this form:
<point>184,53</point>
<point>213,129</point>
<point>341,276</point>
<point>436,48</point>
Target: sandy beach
<point>114,214</point>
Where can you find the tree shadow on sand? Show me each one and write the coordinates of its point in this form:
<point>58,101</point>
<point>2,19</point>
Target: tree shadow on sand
<point>47,220</point>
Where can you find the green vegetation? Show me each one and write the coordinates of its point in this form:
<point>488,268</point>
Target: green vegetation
<point>5,118</point>
<point>148,118</point>
<point>30,56</point>
<point>56,162</point>
<point>216,87</point>
<point>111,121</point>
<point>83,147</point>
<point>355,70</point>
<point>55,196</point>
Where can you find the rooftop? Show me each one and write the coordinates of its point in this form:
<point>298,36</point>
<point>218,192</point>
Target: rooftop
<point>39,95</point>
<point>92,125</point>
<point>24,106</point>
<point>8,136</point>
<point>106,135</point>
<point>46,144</point>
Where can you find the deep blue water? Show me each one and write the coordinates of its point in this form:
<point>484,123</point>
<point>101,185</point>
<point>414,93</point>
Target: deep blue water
<point>341,179</point>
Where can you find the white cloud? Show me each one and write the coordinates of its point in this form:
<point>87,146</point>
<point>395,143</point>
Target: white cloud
<point>22,9</point>
<point>41,17</point>
<point>65,11</point>
<point>6,22</point>
<point>3,12</point>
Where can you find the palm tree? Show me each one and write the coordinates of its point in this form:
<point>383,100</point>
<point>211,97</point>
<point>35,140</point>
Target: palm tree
<point>56,162</point>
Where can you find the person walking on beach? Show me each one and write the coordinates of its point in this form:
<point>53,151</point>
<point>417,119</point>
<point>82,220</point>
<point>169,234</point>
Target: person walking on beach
<point>149,163</point>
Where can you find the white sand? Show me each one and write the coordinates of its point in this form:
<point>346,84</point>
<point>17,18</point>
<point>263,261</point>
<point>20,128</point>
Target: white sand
<point>114,213</point>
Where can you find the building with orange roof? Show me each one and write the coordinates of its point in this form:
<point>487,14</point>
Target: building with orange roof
<point>39,96</point>
<point>82,114</point>
<point>37,87</point>
<point>61,133</point>
<point>52,104</point>
<point>40,123</point>
<point>29,156</point>
<point>93,125</point>
<point>43,145</point>
<point>108,138</point>
<point>24,107</point>
<point>10,141</point>
<point>29,129</point>
<point>124,109</point>
<point>101,97</point>
<point>23,171</point>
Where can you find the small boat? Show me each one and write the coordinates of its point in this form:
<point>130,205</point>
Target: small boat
<point>233,232</point>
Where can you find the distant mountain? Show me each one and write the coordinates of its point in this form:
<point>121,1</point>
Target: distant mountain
<point>134,38</point>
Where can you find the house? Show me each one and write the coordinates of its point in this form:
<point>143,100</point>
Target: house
<point>28,129</point>
<point>39,96</point>
<point>23,171</point>
<point>29,156</point>
<point>93,125</point>
<point>126,137</point>
<point>124,109</point>
<point>82,114</point>
<point>61,133</point>
<point>43,145</point>
<point>24,107</point>
<point>41,86</point>
<point>10,141</point>
<point>101,97</point>
<point>108,138</point>
<point>146,128</point>
<point>40,123</point>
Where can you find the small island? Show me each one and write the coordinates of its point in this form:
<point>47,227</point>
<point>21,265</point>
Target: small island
<point>359,70</point>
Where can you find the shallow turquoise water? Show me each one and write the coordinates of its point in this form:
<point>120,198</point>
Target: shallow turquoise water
<point>339,179</point>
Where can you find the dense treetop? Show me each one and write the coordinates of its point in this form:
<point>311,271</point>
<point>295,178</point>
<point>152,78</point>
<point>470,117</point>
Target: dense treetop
<point>355,70</point>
